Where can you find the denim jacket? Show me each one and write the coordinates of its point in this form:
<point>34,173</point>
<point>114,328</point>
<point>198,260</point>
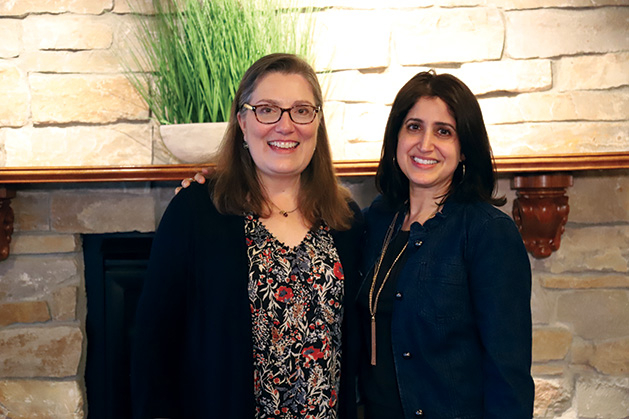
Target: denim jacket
<point>461,325</point>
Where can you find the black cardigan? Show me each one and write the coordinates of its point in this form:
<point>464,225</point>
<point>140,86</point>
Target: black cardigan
<point>192,346</point>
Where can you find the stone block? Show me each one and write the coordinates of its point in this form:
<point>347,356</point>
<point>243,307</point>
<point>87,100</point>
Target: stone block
<point>35,277</point>
<point>547,370</point>
<point>98,213</point>
<point>40,351</point>
<point>14,108</point>
<point>610,357</point>
<point>551,397</point>
<point>584,281</point>
<point>351,40</point>
<point>595,314</point>
<point>134,6</point>
<point>441,35</point>
<point>25,7</point>
<point>513,76</point>
<point>560,32</point>
<point>11,35</point>
<point>107,145</point>
<point>542,4</point>
<point>334,118</point>
<point>550,344</point>
<point>63,305</point>
<point>601,398</point>
<point>597,248</point>
<point>554,138</point>
<point>32,211</point>
<point>606,105</point>
<point>103,61</point>
<point>28,399</point>
<point>24,312</point>
<point>63,99</point>
<point>600,198</point>
<point>592,71</point>
<point>67,32</point>
<point>31,244</point>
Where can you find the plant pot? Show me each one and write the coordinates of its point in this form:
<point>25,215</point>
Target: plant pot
<point>193,143</point>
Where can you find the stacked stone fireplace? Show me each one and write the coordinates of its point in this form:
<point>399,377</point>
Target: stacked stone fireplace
<point>580,296</point>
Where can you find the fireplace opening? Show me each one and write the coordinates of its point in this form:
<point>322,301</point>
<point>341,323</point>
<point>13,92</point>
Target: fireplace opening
<point>115,265</point>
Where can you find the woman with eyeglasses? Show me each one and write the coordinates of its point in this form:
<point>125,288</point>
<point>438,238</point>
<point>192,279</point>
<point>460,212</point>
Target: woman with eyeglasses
<point>252,277</point>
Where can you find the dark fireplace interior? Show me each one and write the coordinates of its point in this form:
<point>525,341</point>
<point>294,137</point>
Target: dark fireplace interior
<point>115,265</point>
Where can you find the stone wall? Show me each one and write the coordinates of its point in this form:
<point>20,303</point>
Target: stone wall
<point>551,76</point>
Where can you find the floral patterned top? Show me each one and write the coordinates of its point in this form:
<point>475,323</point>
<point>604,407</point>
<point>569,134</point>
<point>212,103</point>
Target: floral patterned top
<point>296,309</point>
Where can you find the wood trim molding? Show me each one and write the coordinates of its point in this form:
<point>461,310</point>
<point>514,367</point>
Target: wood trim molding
<point>513,164</point>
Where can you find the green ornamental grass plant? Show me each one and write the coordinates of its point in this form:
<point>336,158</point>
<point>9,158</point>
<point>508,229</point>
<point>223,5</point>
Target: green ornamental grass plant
<point>196,52</point>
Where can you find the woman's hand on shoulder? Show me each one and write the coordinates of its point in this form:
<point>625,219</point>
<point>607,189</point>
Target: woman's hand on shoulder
<point>198,177</point>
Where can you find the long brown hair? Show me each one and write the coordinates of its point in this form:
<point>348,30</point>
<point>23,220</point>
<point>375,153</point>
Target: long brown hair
<point>236,187</point>
<point>474,182</point>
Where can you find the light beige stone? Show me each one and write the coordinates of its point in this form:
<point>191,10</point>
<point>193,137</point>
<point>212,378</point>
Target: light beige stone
<point>63,305</point>
<point>595,314</point>
<point>600,197</point>
<point>103,61</point>
<point>555,32</point>
<point>550,344</point>
<point>597,397</point>
<point>30,399</point>
<point>111,213</point>
<point>598,248</point>
<point>607,105</point>
<point>539,4</point>
<point>62,99</point>
<point>547,370</point>
<point>25,244</point>
<point>551,397</point>
<point>584,281</point>
<point>24,7</point>
<point>67,32</point>
<point>448,35</point>
<point>134,6</point>
<point>40,351</point>
<point>506,76</point>
<point>543,301</point>
<point>592,71</point>
<point>351,40</point>
<point>31,210</point>
<point>24,312</point>
<point>14,108</point>
<point>532,139</point>
<point>117,144</point>
<point>609,357</point>
<point>34,277</point>
<point>11,35</point>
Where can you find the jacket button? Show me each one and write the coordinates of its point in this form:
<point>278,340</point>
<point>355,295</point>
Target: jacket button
<point>407,355</point>
<point>419,413</point>
<point>398,295</point>
<point>418,243</point>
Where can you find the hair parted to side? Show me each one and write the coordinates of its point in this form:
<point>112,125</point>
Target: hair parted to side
<point>236,188</point>
<point>477,182</point>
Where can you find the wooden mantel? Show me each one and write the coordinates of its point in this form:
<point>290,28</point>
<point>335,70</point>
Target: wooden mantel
<point>540,209</point>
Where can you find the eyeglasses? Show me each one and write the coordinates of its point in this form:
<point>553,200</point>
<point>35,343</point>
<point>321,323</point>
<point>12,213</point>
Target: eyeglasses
<point>270,114</point>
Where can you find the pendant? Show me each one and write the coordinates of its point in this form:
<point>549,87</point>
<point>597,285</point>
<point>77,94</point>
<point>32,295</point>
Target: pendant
<point>373,340</point>
<point>284,213</point>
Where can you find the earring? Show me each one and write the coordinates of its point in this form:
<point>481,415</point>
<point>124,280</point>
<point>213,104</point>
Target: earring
<point>463,165</point>
<point>245,145</point>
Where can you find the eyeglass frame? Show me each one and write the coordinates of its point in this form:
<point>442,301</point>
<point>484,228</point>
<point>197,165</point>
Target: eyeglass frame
<point>252,108</point>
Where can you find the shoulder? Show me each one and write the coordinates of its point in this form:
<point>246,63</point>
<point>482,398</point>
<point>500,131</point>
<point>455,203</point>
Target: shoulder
<point>379,208</point>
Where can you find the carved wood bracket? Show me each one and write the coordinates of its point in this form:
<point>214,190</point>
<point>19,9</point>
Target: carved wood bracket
<point>6,221</point>
<point>541,210</point>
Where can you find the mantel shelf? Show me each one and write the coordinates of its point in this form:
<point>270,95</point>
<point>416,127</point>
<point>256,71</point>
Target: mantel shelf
<point>540,209</point>
<point>512,164</point>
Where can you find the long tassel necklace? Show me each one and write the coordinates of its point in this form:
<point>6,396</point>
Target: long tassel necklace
<point>373,303</point>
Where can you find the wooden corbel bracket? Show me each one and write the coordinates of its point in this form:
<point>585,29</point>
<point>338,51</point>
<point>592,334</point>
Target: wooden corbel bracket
<point>6,221</point>
<point>541,210</point>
